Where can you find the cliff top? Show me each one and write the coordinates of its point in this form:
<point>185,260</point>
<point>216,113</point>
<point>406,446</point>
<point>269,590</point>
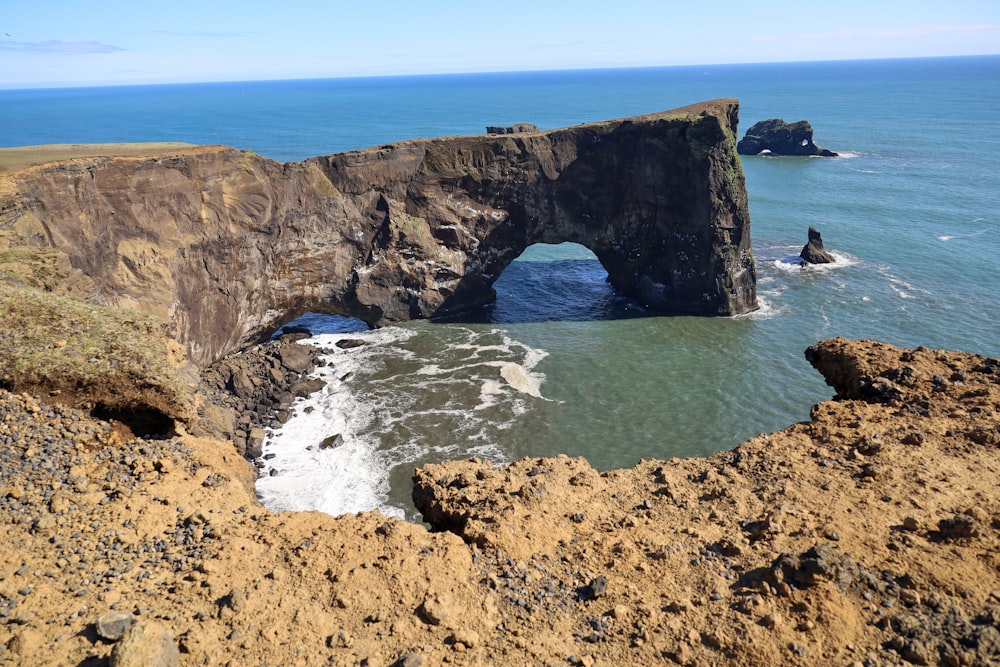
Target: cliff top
<point>16,158</point>
<point>21,157</point>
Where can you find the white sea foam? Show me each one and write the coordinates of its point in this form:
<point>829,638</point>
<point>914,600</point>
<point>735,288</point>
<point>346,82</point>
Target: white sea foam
<point>347,478</point>
<point>904,289</point>
<point>950,237</point>
<point>793,263</point>
<point>522,380</point>
<point>394,408</point>
<point>765,311</point>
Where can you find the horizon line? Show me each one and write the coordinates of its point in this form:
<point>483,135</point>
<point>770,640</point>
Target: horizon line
<point>44,86</point>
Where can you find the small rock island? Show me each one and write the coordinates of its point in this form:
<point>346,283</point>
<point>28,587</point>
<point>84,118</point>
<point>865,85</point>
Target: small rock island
<point>776,137</point>
<point>813,251</point>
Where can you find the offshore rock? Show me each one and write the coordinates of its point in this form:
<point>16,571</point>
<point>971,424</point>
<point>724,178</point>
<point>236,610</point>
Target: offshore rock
<point>813,251</point>
<point>225,246</point>
<point>777,137</point>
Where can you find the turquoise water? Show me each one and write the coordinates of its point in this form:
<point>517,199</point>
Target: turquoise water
<point>560,363</point>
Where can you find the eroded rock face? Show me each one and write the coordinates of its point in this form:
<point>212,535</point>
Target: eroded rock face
<point>777,137</point>
<point>225,245</point>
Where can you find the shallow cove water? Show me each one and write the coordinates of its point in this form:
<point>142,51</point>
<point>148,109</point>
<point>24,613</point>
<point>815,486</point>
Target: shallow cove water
<point>560,364</point>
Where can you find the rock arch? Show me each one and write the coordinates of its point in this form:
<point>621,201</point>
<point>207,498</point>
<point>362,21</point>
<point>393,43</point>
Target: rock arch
<point>659,199</point>
<point>225,245</point>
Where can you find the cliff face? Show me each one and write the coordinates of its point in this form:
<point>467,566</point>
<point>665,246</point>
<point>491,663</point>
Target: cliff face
<point>225,245</point>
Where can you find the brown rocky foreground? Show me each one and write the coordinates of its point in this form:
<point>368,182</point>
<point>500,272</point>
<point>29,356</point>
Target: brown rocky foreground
<point>869,535</point>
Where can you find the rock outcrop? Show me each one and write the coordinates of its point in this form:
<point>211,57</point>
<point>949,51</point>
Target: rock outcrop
<point>813,251</point>
<point>516,128</point>
<point>225,246</point>
<point>867,534</point>
<point>776,137</point>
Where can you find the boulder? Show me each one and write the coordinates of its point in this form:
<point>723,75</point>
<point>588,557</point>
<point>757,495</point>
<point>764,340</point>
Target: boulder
<point>114,624</point>
<point>332,441</point>
<point>813,251</point>
<point>776,137</point>
<point>255,443</point>
<point>146,644</point>
<point>297,358</point>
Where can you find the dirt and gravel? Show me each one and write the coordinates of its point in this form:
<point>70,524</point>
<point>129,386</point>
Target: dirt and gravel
<point>869,535</point>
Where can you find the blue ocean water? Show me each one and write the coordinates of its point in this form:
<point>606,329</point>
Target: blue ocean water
<point>560,364</point>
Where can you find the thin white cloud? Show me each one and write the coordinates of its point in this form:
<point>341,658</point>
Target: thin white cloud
<point>60,47</point>
<point>918,31</point>
<point>213,34</point>
<point>938,31</point>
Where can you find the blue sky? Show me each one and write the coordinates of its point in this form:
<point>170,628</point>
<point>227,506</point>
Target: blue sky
<point>52,43</point>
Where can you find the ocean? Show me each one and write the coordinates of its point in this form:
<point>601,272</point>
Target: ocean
<point>560,363</point>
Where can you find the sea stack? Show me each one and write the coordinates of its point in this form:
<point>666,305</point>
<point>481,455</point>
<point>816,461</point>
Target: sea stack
<point>776,137</point>
<point>813,251</point>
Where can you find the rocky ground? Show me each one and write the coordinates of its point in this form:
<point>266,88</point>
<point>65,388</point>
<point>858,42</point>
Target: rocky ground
<point>869,535</point>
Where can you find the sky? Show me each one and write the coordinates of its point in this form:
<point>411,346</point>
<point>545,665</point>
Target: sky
<point>59,43</point>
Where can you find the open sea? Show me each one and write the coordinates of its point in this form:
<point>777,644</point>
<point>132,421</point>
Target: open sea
<point>561,364</point>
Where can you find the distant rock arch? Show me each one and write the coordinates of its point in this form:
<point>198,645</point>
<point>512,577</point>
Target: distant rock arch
<point>226,246</point>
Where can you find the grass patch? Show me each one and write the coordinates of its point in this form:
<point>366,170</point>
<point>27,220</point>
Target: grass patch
<point>94,357</point>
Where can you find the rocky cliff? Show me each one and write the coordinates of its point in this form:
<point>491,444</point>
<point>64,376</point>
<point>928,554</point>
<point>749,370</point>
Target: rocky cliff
<point>867,535</point>
<point>224,245</point>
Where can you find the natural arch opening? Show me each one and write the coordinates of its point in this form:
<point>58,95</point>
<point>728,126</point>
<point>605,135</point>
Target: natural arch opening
<point>557,282</point>
<point>314,323</point>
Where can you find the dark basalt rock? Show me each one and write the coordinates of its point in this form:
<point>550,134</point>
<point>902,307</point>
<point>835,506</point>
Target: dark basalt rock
<point>813,251</point>
<point>776,137</point>
<point>254,389</point>
<point>331,442</point>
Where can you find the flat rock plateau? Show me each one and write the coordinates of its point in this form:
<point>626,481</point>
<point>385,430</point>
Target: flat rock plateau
<point>868,535</point>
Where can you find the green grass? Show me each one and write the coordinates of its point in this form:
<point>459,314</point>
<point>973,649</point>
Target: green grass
<point>55,345</point>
